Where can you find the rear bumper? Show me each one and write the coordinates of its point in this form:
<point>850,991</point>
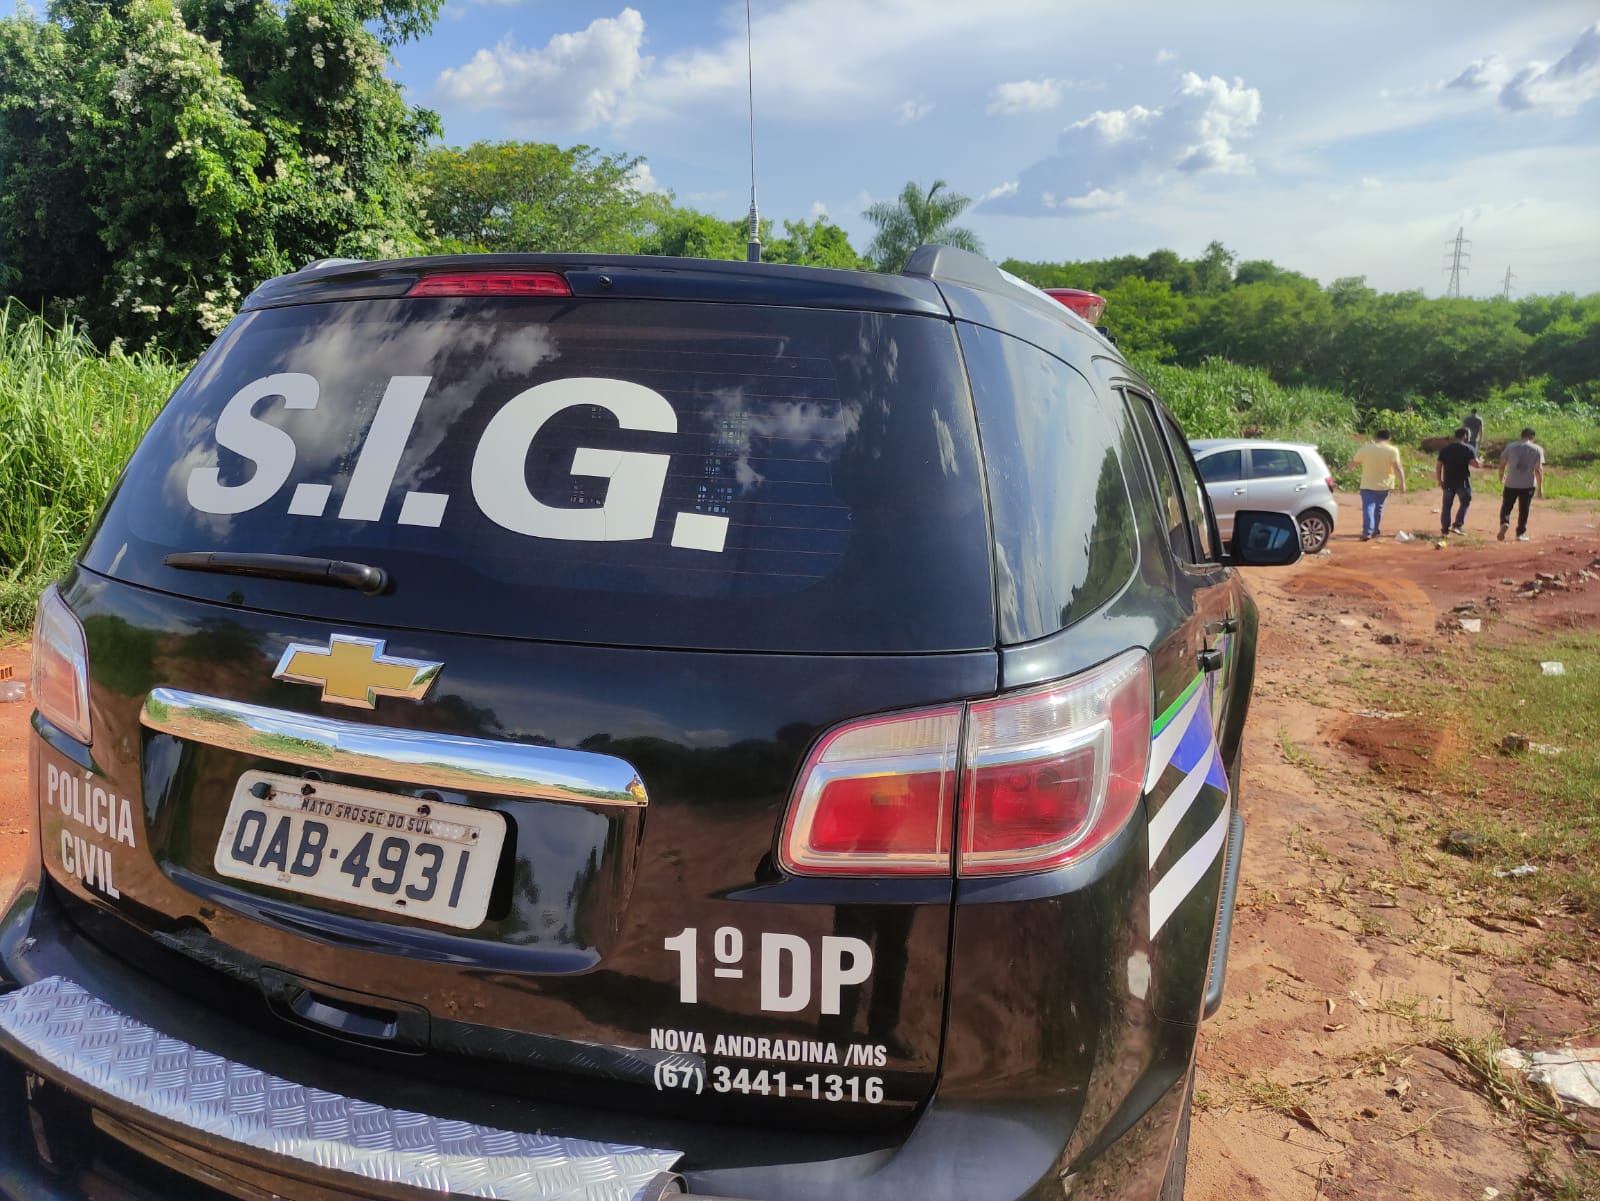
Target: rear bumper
<point>115,1086</point>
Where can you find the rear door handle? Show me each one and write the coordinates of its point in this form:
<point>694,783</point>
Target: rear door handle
<point>1240,491</point>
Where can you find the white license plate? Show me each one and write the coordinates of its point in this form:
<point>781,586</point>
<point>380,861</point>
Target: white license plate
<point>424,859</point>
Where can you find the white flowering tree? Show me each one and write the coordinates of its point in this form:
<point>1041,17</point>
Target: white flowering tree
<point>159,160</point>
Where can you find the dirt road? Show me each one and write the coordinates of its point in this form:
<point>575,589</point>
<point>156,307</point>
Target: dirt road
<point>1315,1079</point>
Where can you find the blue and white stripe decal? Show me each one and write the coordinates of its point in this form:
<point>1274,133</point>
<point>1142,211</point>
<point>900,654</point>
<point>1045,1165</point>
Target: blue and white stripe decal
<point>1187,743</point>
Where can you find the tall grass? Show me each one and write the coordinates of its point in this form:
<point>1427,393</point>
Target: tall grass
<point>1219,399</point>
<point>69,418</point>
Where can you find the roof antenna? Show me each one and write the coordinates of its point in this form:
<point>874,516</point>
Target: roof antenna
<point>752,250</point>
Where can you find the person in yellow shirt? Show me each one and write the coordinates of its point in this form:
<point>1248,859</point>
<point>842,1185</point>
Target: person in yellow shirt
<point>1381,473</point>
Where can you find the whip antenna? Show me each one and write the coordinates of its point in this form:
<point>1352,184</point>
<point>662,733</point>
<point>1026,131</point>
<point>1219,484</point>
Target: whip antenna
<point>752,251</point>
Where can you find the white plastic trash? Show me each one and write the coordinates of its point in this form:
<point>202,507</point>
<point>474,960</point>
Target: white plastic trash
<point>1402,536</point>
<point>1552,668</point>
<point>1573,1073</point>
<point>13,690</point>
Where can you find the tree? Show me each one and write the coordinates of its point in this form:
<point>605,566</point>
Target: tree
<point>689,233</point>
<point>916,219</point>
<point>819,244</point>
<point>1142,316</point>
<point>158,161</point>
<point>531,196</point>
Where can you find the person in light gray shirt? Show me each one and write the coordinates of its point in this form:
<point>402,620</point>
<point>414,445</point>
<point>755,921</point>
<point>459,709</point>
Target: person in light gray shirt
<point>1522,473</point>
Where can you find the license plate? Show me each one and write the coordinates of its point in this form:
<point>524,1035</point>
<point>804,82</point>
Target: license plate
<point>424,859</point>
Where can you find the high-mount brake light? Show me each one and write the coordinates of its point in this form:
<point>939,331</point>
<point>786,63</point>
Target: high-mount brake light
<point>1046,777</point>
<point>492,283</point>
<point>61,667</point>
<point>877,798</point>
<point>1091,306</point>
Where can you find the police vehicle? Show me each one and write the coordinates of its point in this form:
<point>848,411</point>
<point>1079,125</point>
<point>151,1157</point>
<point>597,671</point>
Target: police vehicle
<point>597,727</point>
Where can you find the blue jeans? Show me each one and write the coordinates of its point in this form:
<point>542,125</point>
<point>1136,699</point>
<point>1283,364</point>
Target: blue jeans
<point>1455,492</point>
<point>1372,502</point>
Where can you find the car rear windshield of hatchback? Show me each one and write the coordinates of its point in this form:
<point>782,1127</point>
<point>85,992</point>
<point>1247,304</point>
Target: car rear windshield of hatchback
<point>638,473</point>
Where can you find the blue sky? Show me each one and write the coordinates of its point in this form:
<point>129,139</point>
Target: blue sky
<point>1340,138</point>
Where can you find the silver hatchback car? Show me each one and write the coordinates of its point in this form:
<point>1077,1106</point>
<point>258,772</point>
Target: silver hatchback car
<point>1282,477</point>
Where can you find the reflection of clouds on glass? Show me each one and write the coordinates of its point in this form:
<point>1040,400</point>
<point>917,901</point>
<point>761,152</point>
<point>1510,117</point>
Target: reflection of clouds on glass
<point>947,446</point>
<point>479,355</point>
<point>807,429</point>
<point>197,433</point>
<point>1005,581</point>
<point>353,357</point>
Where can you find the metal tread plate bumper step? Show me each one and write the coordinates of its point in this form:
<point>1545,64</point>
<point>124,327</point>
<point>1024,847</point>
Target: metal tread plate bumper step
<point>82,1037</point>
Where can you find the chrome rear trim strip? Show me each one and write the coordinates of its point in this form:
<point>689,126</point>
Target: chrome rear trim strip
<point>415,757</point>
<point>83,1037</point>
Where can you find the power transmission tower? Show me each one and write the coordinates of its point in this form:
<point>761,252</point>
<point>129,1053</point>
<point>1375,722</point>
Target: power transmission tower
<point>1455,252</point>
<point>1506,290</point>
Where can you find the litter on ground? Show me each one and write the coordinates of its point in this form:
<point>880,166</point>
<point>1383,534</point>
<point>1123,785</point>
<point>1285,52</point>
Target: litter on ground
<point>1551,668</point>
<point>1525,869</point>
<point>1572,1074</point>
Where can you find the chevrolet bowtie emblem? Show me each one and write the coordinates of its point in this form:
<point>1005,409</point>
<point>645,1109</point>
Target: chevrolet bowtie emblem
<point>355,671</point>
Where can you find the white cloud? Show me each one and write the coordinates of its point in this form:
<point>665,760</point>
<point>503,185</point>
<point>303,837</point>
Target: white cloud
<point>999,190</point>
<point>577,81</point>
<point>1028,96</point>
<point>1097,200</point>
<point>708,197</point>
<point>1225,114</point>
<point>1564,87</point>
<point>1195,133</point>
<point>818,210</point>
<point>644,180</point>
<point>804,68</point>
<point>909,112</point>
<point>1481,74</point>
<point>1370,184</point>
<point>1165,56</point>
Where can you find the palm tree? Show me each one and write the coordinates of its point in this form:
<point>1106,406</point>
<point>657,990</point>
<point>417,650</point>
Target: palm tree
<point>916,219</point>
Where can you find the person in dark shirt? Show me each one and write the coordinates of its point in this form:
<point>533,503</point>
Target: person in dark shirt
<point>1454,473</point>
<point>1473,424</point>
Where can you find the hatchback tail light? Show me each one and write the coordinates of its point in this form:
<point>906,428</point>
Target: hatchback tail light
<point>1044,778</point>
<point>61,667</point>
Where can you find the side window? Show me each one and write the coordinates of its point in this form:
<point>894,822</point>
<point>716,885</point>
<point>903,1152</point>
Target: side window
<point>1193,490</point>
<point>1223,467</point>
<point>1168,489</point>
<point>1066,538</point>
<point>1269,463</point>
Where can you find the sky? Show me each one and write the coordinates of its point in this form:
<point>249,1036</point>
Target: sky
<point>1336,138</point>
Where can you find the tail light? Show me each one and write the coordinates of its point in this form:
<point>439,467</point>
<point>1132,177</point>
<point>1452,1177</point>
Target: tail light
<point>492,283</point>
<point>877,797</point>
<point>61,667</point>
<point>1044,778</point>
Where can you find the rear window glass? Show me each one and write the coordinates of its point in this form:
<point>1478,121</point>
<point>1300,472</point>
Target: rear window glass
<point>1266,462</point>
<point>624,472</point>
<point>1222,467</point>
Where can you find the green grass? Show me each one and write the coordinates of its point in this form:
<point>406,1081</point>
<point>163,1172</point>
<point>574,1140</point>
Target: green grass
<point>1542,809</point>
<point>69,418</point>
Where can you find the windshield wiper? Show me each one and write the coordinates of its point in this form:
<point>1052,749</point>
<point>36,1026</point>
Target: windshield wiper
<point>363,577</point>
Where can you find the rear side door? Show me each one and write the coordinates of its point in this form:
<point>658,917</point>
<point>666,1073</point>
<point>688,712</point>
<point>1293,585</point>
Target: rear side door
<point>1224,475</point>
<point>1189,795</point>
<point>1278,479</point>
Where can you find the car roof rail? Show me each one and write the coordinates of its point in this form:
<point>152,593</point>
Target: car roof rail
<point>946,264</point>
<point>328,262</point>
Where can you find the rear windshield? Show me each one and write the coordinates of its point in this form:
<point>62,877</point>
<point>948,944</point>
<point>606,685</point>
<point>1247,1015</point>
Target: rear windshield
<point>631,473</point>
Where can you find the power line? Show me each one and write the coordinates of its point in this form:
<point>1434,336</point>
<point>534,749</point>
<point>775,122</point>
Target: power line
<point>1455,255</point>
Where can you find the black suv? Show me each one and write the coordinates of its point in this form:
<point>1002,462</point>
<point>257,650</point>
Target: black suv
<point>555,727</point>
